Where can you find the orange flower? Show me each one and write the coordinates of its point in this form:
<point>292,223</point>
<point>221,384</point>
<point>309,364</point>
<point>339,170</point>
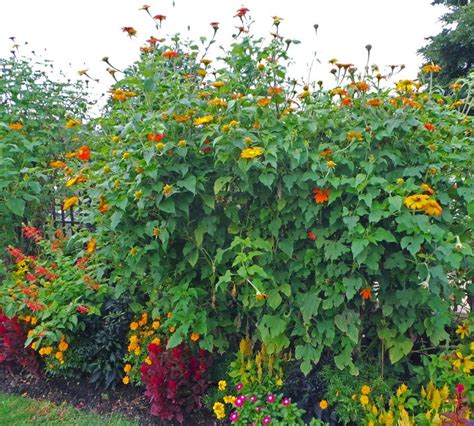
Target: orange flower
<point>84,153</point>
<point>58,164</point>
<point>362,86</point>
<point>431,68</point>
<point>195,337</point>
<point>374,102</point>
<point>16,126</point>
<point>169,54</point>
<point>103,206</point>
<point>346,102</point>
<point>263,102</point>
<point>320,196</point>
<point>69,202</point>
<point>91,246</point>
<point>350,136</point>
<point>432,208</point>
<point>274,90</point>
<point>430,127</point>
<point>326,152</point>
<point>366,293</point>
<point>130,31</point>
<point>426,188</point>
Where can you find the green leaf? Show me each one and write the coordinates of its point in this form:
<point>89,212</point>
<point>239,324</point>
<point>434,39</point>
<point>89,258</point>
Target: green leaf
<point>189,183</point>
<point>395,203</point>
<point>16,206</point>
<point>358,246</point>
<point>402,346</point>
<point>193,257</point>
<point>149,85</point>
<point>274,299</point>
<point>167,206</point>
<point>115,219</point>
<point>174,340</point>
<point>381,234</point>
<point>267,179</point>
<point>220,182</point>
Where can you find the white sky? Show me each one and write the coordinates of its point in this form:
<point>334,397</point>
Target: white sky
<point>81,32</point>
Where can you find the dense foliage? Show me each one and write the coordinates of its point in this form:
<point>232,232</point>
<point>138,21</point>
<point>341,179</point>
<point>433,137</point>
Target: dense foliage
<point>230,212</point>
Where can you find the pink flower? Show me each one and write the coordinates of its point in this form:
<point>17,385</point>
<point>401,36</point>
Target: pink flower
<point>239,387</point>
<point>239,401</point>
<point>82,309</point>
<point>286,401</point>
<point>266,420</point>
<point>234,417</point>
<point>270,398</point>
<point>253,398</point>
<point>259,408</point>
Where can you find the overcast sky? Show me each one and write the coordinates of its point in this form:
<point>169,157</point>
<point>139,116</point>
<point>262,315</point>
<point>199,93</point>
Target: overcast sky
<point>81,32</point>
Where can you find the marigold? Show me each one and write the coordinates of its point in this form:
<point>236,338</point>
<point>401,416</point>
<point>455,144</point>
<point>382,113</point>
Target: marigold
<point>353,135</point>
<point>249,153</point>
<point>364,399</point>
<point>431,68</point>
<point>320,196</point>
<point>323,404</point>
<point>195,337</point>
<point>63,346</point>
<point>58,164</point>
<point>133,325</point>
<point>362,86</point>
<point>264,102</point>
<point>222,385</point>
<point>169,54</point>
<point>126,380</point>
<point>374,102</point>
<point>365,390</point>
<point>218,84</point>
<point>219,410</point>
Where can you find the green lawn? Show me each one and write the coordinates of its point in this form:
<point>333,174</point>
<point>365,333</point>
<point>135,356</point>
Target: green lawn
<point>17,410</point>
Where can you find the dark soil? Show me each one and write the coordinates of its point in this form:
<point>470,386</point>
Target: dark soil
<point>127,401</point>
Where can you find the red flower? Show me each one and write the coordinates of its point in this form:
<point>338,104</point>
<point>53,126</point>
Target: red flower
<point>84,153</point>
<point>159,17</point>
<point>311,236</point>
<point>346,102</point>
<point>152,40</point>
<point>156,137</point>
<point>82,309</point>
<point>366,293</point>
<point>320,196</point>
<point>430,127</point>
<point>215,25</point>
<point>459,388</point>
<point>169,54</point>
<point>16,252</point>
<point>242,12</point>
<point>32,232</point>
<point>81,263</point>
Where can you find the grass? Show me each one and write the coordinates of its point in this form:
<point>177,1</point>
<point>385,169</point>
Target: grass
<point>17,410</point>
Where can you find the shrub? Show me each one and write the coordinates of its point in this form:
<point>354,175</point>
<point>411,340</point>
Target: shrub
<point>175,380</point>
<point>34,111</point>
<point>12,346</point>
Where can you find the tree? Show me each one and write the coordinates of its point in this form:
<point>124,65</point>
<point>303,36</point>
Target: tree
<point>453,48</point>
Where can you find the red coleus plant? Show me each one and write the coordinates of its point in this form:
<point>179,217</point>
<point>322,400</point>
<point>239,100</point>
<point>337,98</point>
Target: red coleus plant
<point>175,381</point>
<point>12,346</point>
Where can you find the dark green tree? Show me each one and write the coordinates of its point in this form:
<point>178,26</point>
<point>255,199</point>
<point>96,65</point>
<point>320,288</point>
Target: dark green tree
<point>453,48</point>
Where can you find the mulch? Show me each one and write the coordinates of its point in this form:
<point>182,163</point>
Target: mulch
<point>127,401</point>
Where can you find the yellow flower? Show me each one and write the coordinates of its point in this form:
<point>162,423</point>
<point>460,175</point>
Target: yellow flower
<point>433,208</point>
<point>279,382</point>
<point>218,84</point>
<point>229,399</point>
<point>138,194</point>
<point>463,331</point>
<point>126,380</point>
<point>330,164</point>
<point>365,390</point>
<point>16,126</point>
<point>416,201</point>
<point>167,190</point>
<point>155,325</point>
<point>203,120</point>
<point>148,360</point>
<point>222,385</point>
<point>323,404</point>
<point>195,337</point>
<point>156,341</point>
<point>364,399</point>
<point>182,143</point>
<point>400,181</point>
<point>160,146</point>
<point>350,136</point>
<point>59,356</point>
<point>249,153</point>
<point>73,122</point>
<point>402,389</point>
<point>431,68</point>
<point>125,155</point>
<point>127,368</point>
<point>217,102</point>
<point>463,362</point>
<point>69,202</point>
<point>133,325</point>
<point>219,410</point>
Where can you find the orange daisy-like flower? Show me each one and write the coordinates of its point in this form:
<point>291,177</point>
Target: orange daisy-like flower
<point>374,102</point>
<point>416,201</point>
<point>431,68</point>
<point>362,86</point>
<point>159,17</point>
<point>346,102</point>
<point>263,102</point>
<point>320,196</point>
<point>69,202</point>
<point>58,164</point>
<point>16,126</point>
<point>84,153</point>
<point>430,127</point>
<point>433,208</point>
<point>103,206</point>
<point>130,31</point>
<point>274,90</point>
<point>169,54</point>
<point>326,152</point>
<point>366,293</point>
<point>426,188</point>
<point>353,135</point>
<point>195,337</point>
<point>182,118</point>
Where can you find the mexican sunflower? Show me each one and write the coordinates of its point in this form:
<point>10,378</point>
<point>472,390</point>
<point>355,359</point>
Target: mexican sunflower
<point>249,153</point>
<point>366,293</point>
<point>84,153</point>
<point>320,196</point>
<point>16,126</point>
<point>169,54</point>
<point>130,31</point>
<point>203,120</point>
<point>69,202</point>
<point>91,246</point>
<point>416,201</point>
<point>430,127</point>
